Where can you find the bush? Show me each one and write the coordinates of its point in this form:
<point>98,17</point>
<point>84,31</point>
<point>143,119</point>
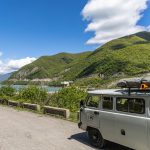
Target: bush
<point>7,91</point>
<point>33,94</point>
<point>68,98</point>
<point>89,82</point>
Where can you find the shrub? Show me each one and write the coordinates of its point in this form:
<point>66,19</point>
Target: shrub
<point>68,98</point>
<point>7,91</point>
<point>89,82</point>
<point>33,94</point>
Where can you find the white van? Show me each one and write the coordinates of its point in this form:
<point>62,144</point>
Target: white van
<point>118,115</point>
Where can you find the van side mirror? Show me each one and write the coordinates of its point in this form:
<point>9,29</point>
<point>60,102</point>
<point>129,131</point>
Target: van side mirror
<point>82,103</point>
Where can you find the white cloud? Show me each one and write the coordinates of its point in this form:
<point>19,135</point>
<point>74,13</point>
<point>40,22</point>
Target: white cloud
<point>13,65</point>
<point>148,28</point>
<point>111,19</point>
<point>1,53</point>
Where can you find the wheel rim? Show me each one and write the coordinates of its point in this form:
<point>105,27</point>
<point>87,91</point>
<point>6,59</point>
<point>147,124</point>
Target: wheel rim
<point>95,138</point>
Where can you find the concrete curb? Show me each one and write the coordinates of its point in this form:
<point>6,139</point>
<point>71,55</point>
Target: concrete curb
<point>56,111</point>
<point>3,101</point>
<point>31,106</point>
<point>65,113</point>
<point>14,103</point>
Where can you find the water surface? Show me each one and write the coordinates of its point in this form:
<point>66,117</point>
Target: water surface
<point>48,88</point>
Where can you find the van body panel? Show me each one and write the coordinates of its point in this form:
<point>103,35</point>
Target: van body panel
<point>148,133</point>
<point>135,131</point>
<point>148,124</point>
<point>92,117</point>
<point>107,125</point>
<point>83,119</point>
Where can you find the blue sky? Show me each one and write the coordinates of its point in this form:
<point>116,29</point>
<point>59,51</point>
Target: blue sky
<point>41,27</point>
<point>145,20</point>
<point>32,28</point>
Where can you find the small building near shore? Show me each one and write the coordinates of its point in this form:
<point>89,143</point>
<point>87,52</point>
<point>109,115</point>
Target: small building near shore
<point>66,83</point>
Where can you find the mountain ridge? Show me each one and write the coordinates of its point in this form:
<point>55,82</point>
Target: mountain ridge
<point>126,56</point>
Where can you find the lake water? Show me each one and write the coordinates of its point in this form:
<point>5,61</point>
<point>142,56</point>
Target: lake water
<point>49,89</point>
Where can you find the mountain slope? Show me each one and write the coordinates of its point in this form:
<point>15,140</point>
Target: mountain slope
<point>49,66</point>
<point>4,77</point>
<point>128,55</point>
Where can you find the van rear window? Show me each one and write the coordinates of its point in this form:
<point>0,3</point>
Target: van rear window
<point>131,105</point>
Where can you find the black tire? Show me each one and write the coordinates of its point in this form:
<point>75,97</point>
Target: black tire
<point>96,138</point>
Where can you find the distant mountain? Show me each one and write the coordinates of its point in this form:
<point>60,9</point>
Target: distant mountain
<point>126,56</point>
<point>4,77</point>
<point>50,66</point>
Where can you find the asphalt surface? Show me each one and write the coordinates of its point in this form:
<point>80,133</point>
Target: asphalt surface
<point>21,130</point>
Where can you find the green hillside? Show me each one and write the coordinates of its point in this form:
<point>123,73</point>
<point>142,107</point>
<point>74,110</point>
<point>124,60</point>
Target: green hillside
<point>126,56</point>
<point>49,66</point>
<point>129,55</point>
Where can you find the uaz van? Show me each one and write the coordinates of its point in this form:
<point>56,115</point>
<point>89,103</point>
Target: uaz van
<point>120,115</point>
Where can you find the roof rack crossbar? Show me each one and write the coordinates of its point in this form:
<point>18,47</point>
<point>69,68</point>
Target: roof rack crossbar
<point>130,90</point>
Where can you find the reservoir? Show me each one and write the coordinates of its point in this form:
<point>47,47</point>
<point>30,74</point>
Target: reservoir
<point>48,88</point>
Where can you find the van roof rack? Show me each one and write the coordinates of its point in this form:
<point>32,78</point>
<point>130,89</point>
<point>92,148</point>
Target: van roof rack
<point>135,84</point>
<point>130,90</point>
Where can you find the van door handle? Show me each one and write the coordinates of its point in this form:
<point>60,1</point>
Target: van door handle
<point>96,113</point>
<point>123,132</point>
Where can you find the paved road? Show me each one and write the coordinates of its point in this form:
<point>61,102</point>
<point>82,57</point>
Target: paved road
<point>20,130</point>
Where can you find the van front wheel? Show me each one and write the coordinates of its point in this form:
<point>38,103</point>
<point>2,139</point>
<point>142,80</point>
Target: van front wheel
<point>96,138</point>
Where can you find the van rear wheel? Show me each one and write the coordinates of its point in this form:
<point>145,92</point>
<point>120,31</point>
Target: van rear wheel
<point>96,138</point>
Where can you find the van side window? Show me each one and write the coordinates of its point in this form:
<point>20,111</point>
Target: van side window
<point>93,101</point>
<point>137,106</point>
<point>108,103</point>
<point>132,105</point>
<point>122,104</point>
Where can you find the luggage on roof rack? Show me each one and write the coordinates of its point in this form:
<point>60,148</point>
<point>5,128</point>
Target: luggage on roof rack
<point>146,81</point>
<point>134,82</point>
<point>129,83</point>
